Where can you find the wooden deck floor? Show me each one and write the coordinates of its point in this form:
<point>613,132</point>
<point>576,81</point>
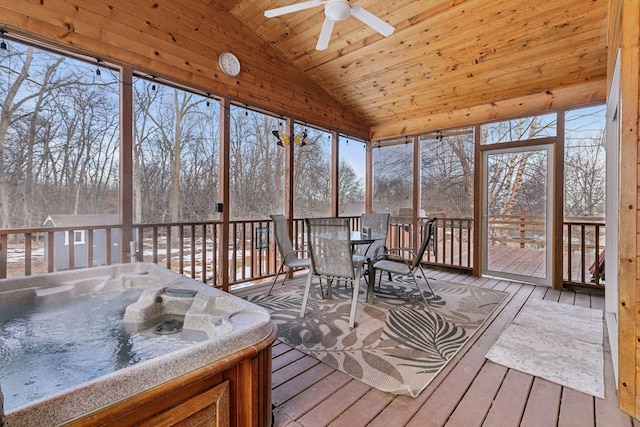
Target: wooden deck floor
<point>470,391</point>
<point>522,261</point>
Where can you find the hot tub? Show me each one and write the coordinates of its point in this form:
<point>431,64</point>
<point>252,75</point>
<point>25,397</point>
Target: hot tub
<point>109,335</point>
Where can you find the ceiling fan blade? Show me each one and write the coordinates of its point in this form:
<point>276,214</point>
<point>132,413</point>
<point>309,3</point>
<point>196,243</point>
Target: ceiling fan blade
<point>325,34</point>
<point>372,20</point>
<point>292,8</point>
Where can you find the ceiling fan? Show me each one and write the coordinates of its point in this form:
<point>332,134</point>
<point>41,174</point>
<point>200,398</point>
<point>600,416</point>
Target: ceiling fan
<point>334,10</point>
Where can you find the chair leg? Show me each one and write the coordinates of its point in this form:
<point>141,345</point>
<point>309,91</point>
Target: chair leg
<point>420,291</point>
<point>354,298</point>
<point>306,294</point>
<point>424,276</point>
<point>275,279</point>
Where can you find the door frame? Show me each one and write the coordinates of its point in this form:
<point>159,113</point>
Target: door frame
<point>612,147</point>
<point>549,148</point>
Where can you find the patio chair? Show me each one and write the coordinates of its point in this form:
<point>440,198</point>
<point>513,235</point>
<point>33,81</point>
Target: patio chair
<point>395,260</point>
<point>378,223</point>
<point>288,256</point>
<point>331,258</point>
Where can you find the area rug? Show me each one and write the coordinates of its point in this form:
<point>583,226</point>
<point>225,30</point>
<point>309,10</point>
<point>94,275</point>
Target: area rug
<point>397,346</point>
<point>558,342</point>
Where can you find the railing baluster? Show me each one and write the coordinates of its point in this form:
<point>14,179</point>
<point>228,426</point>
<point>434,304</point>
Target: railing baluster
<point>3,255</point>
<point>203,268</point>
<point>27,254</point>
<point>215,257</point>
<point>50,246</point>
<point>193,251</point>
<point>168,245</point>
<point>583,253</point>
<point>89,248</point>
<point>181,248</point>
<point>71,252</point>
<point>108,246</point>
<point>140,237</point>
<point>155,245</point>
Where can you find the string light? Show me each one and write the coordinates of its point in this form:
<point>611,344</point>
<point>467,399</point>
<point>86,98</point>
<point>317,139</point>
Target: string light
<point>208,96</point>
<point>98,72</point>
<point>3,43</point>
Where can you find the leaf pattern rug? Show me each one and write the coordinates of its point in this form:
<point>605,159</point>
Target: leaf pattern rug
<point>397,345</point>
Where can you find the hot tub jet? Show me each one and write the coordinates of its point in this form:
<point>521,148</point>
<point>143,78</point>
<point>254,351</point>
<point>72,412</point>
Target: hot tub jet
<point>172,326</point>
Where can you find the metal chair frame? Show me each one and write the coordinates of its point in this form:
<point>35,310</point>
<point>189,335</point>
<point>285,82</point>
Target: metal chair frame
<point>289,257</point>
<point>331,259</point>
<point>393,261</point>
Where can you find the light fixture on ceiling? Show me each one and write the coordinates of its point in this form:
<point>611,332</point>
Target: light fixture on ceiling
<point>337,11</point>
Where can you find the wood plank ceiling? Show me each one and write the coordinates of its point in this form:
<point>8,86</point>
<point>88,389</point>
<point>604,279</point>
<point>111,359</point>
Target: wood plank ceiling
<point>444,55</point>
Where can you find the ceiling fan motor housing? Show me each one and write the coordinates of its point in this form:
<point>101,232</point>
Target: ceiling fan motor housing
<point>337,10</point>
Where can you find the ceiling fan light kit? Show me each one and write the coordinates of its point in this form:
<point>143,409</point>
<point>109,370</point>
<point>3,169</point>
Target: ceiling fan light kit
<point>334,11</point>
<point>337,10</point>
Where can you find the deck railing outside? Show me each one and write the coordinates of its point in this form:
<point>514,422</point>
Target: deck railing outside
<point>192,248</point>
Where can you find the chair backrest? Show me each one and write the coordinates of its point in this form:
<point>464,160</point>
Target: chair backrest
<point>378,223</point>
<point>283,241</point>
<point>329,241</point>
<point>427,235</point>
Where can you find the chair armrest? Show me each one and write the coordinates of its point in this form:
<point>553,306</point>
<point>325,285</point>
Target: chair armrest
<point>296,251</point>
<point>394,254</point>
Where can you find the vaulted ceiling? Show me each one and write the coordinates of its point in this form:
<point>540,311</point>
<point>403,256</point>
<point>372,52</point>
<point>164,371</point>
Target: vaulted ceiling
<point>444,55</point>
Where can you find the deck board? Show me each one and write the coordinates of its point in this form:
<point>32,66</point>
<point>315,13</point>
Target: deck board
<point>510,401</point>
<point>333,405</point>
<point>543,404</point>
<point>470,390</point>
<point>475,404</point>
<point>363,411</point>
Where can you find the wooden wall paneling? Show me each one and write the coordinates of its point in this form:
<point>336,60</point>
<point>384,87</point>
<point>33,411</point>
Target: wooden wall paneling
<point>614,25</point>
<point>583,94</point>
<point>628,275</point>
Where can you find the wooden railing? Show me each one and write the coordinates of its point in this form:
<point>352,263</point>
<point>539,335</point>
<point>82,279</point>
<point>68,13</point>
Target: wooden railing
<point>584,251</point>
<point>519,231</point>
<point>192,248</point>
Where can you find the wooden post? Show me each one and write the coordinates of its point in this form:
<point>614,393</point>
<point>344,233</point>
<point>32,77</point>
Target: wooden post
<point>126,164</point>
<point>628,276</point>
<point>477,205</point>
<point>223,195</point>
<point>335,158</point>
<point>368,179</point>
